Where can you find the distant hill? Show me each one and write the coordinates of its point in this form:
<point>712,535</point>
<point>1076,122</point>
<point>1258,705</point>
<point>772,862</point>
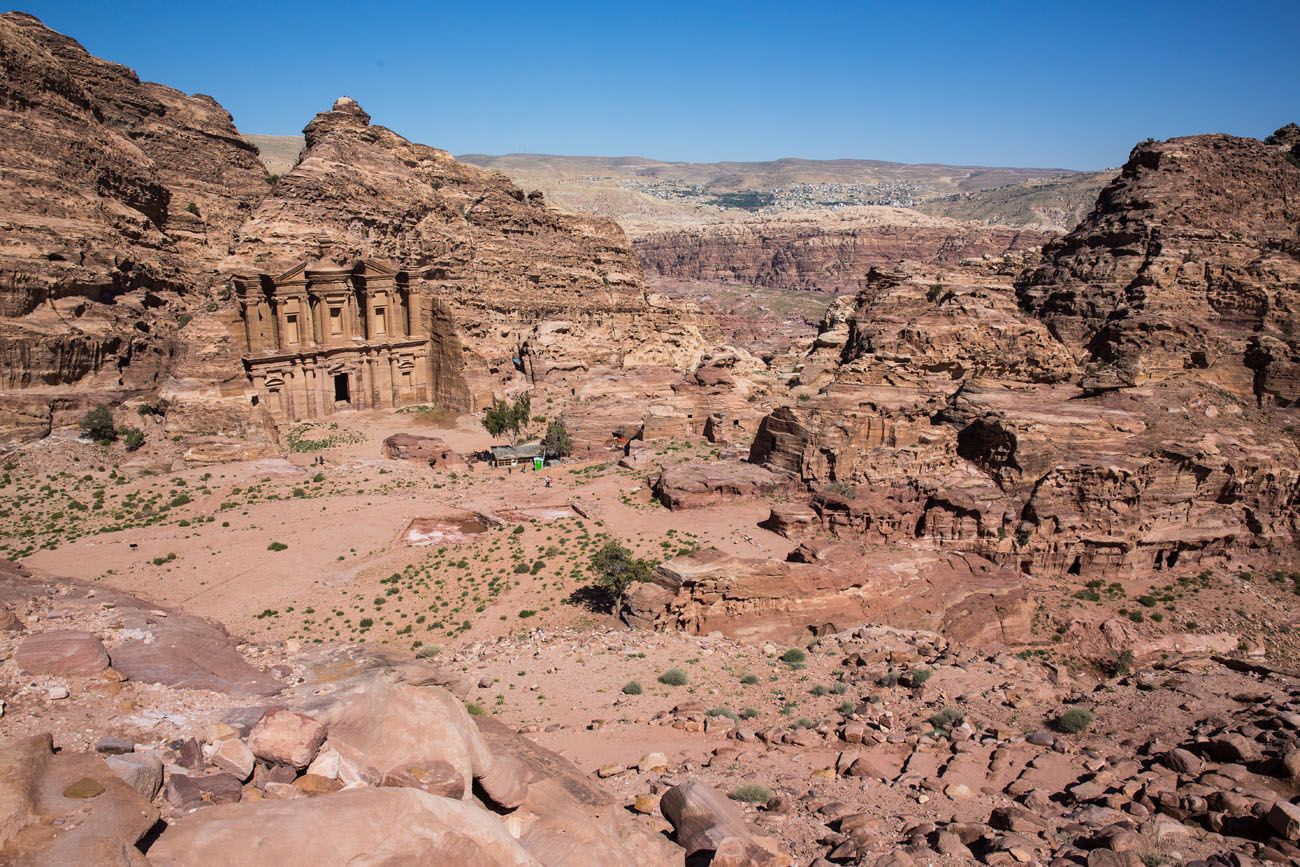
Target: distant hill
<point>647,195</point>
<point>279,152</point>
<point>1057,204</point>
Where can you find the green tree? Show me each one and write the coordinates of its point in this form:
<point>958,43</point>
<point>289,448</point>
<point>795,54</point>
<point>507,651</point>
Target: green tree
<point>98,425</point>
<point>502,416</point>
<point>616,570</point>
<point>557,443</point>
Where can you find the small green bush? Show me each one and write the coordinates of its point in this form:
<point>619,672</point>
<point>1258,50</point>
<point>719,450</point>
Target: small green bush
<point>631,688</point>
<point>674,677</point>
<point>474,708</point>
<point>748,713</point>
<point>819,690</point>
<point>98,425</point>
<point>946,718</point>
<point>793,656</point>
<point>132,438</point>
<point>749,679</point>
<point>1075,720</point>
<point>751,793</point>
<point>920,676</point>
<point>723,711</point>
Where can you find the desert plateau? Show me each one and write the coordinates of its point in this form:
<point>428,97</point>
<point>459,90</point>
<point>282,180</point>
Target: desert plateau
<point>364,504</point>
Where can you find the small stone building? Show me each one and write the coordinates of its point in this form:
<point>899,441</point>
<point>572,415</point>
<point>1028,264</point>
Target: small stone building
<point>513,456</point>
<point>324,337</point>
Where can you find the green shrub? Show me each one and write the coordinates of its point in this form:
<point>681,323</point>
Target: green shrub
<point>748,713</point>
<point>723,711</point>
<point>1075,720</point>
<point>276,546</point>
<point>631,688</point>
<point>794,656</point>
<point>132,438</point>
<point>674,677</point>
<point>474,708</point>
<point>819,690</point>
<point>98,425</point>
<point>946,718</point>
<point>751,793</point>
<point>920,676</point>
<point>847,707</point>
<point>749,679</point>
<point>526,612</point>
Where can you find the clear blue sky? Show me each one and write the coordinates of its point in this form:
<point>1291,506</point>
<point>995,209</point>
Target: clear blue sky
<point>1039,84</point>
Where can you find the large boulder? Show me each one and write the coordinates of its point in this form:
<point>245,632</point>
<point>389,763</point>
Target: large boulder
<point>567,820</point>
<point>61,652</point>
<point>69,808</point>
<point>705,820</point>
<point>360,828</point>
<point>430,450</point>
<point>385,729</point>
<point>691,485</point>
<point>285,737</point>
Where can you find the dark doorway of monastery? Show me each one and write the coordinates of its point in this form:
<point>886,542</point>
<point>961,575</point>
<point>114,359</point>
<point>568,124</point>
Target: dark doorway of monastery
<point>341,388</point>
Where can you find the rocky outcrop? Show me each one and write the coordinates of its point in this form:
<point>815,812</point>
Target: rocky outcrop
<point>394,765</point>
<point>130,205</point>
<point>528,287</point>
<point>119,198</point>
<point>1189,263</point>
<point>951,419</point>
<point>826,252</point>
<point>824,589</point>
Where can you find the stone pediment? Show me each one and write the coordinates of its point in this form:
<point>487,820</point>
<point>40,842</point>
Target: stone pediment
<point>360,267</point>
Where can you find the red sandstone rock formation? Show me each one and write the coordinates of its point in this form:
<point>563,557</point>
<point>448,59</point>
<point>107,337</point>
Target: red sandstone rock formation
<point>1190,261</point>
<point>826,252</point>
<point>127,206</point>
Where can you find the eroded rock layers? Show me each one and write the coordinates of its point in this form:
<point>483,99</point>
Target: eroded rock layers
<point>128,206</point>
<point>1124,426</point>
<point>828,253</point>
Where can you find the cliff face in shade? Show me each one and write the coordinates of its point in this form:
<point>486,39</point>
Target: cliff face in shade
<point>829,252</point>
<point>1190,261</point>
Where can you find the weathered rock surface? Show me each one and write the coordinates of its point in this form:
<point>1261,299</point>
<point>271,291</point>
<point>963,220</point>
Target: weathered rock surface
<point>431,450</point>
<point>121,197</point>
<point>61,651</point>
<point>364,827</point>
<point>67,809</point>
<point>825,252</point>
<point>1188,264</point>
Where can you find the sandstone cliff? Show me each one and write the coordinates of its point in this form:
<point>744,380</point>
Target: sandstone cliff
<point>118,199</point>
<point>1190,261</point>
<point>1136,422</point>
<point>128,205</point>
<point>829,252</point>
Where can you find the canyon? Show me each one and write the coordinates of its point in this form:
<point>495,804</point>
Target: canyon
<point>867,513</point>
